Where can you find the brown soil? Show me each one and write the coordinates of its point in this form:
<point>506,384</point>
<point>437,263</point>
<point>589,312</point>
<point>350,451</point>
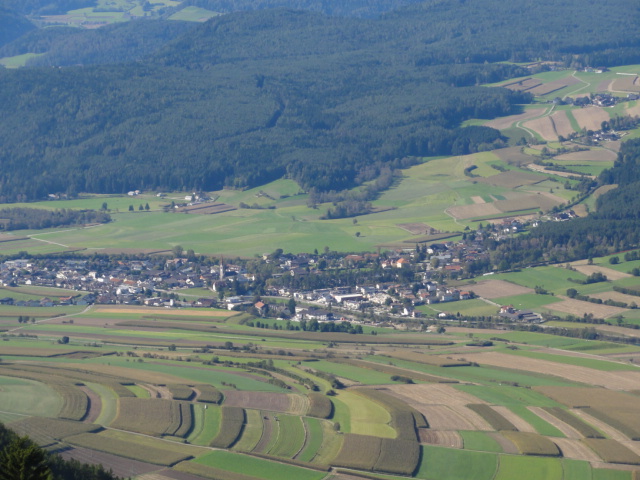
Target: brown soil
<point>572,448</point>
<point>498,288</point>
<point>567,430</point>
<point>94,407</point>
<point>594,155</point>
<point>267,429</point>
<point>580,308</point>
<point>613,380</point>
<point>506,122</point>
<point>120,466</point>
<point>473,210</point>
<point>444,438</point>
<point>608,430</point>
<point>590,118</point>
<point>507,445</point>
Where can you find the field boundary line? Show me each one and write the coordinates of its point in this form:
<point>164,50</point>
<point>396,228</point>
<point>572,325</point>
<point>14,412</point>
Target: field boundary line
<point>306,437</point>
<point>586,84</point>
<point>495,474</point>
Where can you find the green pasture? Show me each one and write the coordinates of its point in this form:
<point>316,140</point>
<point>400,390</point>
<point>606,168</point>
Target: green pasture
<point>11,310</point>
<point>251,432</point>
<point>528,301</point>
<point>547,340</point>
<point>314,439</point>
<point>18,60</point>
<point>439,463</point>
<point>211,375</point>
<point>138,391</point>
<point>553,279</point>
<point>596,364</point>
<point>206,421</point>
<point>30,398</point>
<point>608,474</point>
<point>193,14</point>
<point>357,374</point>
<point>109,403</point>
<point>291,436</point>
<point>255,467</point>
<point>366,416</point>
<point>529,468</point>
<point>474,307</point>
<point>542,426</point>
<point>480,441</point>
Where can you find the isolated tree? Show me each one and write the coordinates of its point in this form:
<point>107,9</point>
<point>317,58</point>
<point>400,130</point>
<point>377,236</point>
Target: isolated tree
<point>23,460</point>
<point>141,207</point>
<point>104,206</point>
<point>146,207</point>
<point>131,208</point>
<point>177,251</point>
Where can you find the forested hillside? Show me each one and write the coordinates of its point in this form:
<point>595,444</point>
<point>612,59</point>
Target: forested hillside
<point>249,97</point>
<point>12,26</point>
<point>615,226</point>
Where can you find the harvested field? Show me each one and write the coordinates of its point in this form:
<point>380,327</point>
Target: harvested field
<point>207,208</point>
<point>544,127</point>
<point>612,451</point>
<point>607,429</point>
<point>611,274</point>
<point>520,424</point>
<point>433,394</point>
<point>626,421</point>
<point>126,449</point>
<point>634,110</point>
<point>604,189</point>
<point>526,202</point>
<point>122,467</point>
<point>590,118</point>
<point>507,445</point>
<point>614,380</point>
<point>462,212</point>
<point>561,123</point>
<point>575,449</point>
<point>442,438</point>
<point>533,444</point>
<point>617,297</point>
<point>506,122</point>
<point>549,171</point>
<point>498,288</point>
<point>154,417</point>
<point>45,430</point>
<point>626,83</point>
<point>275,402</point>
<point>391,370</point>
<point>94,406</point>
<point>434,360</point>
<point>521,85</point>
<point>478,200</point>
<point>550,87</point>
<point>441,417</point>
<point>592,155</point>
<point>159,312</point>
<point>580,308</point>
<point>512,179</point>
<point>417,228</point>
<point>565,428</point>
<point>514,155</point>
<point>267,432</point>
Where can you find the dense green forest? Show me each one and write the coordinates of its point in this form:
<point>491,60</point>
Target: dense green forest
<point>22,459</point>
<point>350,8</point>
<point>249,97</point>
<point>12,26</point>
<point>116,43</point>
<point>615,226</point>
<point>45,7</point>
<point>38,218</point>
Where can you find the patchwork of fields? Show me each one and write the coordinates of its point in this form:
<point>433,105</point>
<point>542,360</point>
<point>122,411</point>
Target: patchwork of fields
<point>486,410</point>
